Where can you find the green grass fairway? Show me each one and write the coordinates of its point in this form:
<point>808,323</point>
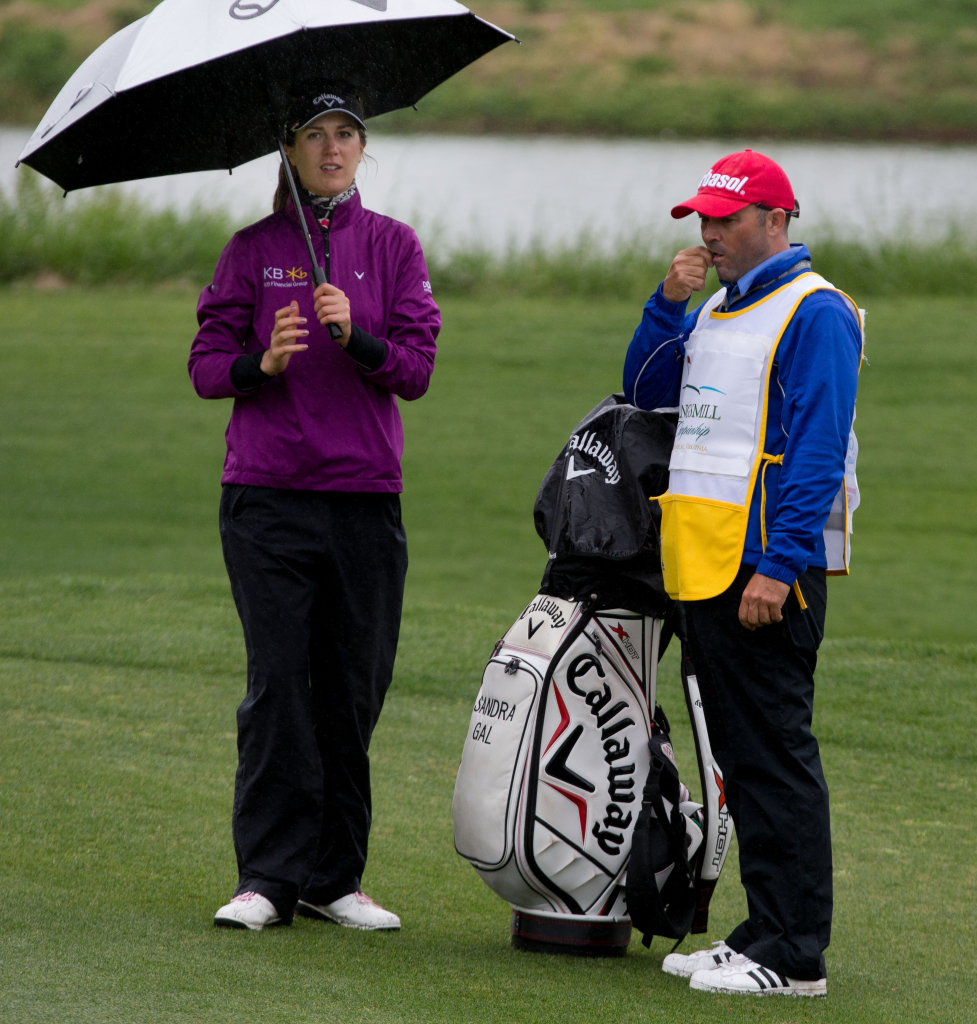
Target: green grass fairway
<point>121,665</point>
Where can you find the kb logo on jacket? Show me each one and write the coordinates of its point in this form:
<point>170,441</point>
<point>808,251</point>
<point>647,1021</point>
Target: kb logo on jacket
<point>276,277</point>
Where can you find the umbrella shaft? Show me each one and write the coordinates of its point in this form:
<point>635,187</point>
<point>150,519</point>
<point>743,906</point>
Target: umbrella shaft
<point>318,274</point>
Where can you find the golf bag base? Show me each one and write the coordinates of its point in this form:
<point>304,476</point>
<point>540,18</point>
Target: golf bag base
<point>570,934</point>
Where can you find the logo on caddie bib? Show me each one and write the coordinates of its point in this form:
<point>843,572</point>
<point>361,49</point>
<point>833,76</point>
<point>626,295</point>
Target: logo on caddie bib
<point>700,410</point>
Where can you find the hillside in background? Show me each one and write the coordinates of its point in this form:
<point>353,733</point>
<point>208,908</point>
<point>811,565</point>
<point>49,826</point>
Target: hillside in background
<point>821,69</point>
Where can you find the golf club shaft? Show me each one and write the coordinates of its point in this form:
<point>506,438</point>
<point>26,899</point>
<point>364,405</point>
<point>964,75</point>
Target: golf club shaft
<point>318,274</point>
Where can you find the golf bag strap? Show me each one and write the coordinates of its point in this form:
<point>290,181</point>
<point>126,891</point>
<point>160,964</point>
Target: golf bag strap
<point>659,920</point>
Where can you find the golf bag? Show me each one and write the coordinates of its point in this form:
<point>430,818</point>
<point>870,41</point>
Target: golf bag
<point>556,755</point>
<point>568,762</point>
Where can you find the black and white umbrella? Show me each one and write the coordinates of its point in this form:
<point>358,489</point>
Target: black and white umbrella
<point>203,84</point>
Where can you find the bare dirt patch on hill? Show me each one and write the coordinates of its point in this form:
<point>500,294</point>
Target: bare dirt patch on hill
<point>686,67</point>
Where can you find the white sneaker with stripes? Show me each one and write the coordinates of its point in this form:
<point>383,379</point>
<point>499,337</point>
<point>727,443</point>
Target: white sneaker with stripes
<point>749,978</point>
<point>684,965</point>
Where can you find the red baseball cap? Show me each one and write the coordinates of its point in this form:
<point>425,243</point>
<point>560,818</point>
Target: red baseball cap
<point>736,181</point>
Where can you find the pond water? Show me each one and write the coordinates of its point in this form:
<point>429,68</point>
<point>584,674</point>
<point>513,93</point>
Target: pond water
<point>496,191</point>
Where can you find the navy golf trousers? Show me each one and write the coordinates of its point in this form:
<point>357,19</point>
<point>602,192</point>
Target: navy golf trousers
<point>318,580</point>
<point>758,694</point>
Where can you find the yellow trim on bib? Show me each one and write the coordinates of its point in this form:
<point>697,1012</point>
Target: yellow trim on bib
<point>777,460</point>
<point>746,309</point>
<point>773,460</point>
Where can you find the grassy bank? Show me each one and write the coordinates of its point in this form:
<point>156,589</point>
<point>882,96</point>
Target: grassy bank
<point>824,69</point>
<point>121,664</point>
<point>111,239</point>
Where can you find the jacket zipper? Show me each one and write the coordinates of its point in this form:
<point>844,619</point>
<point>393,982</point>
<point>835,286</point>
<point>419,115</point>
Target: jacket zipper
<point>324,228</point>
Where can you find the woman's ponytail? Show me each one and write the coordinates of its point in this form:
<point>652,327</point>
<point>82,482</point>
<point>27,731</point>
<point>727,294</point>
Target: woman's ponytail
<point>282,192</point>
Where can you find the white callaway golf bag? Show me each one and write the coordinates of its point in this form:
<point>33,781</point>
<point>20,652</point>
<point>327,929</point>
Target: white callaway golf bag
<point>567,761</point>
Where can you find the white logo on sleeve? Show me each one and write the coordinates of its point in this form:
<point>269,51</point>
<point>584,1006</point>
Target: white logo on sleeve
<point>359,276</point>
<point>427,286</point>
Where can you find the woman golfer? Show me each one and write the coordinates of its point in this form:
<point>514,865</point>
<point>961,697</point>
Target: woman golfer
<point>310,512</point>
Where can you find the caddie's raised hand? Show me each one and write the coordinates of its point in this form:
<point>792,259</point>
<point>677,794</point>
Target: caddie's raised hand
<point>332,307</point>
<point>687,274</point>
<point>288,327</point>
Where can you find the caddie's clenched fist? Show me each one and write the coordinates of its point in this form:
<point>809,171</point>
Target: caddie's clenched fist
<point>687,274</point>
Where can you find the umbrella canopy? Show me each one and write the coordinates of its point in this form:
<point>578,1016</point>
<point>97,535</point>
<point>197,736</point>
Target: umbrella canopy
<point>203,84</point>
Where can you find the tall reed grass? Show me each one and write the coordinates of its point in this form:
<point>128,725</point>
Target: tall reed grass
<point>105,239</point>
<point>115,239</point>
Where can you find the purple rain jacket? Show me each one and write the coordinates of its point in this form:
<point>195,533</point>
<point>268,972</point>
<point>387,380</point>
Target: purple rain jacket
<point>324,424</point>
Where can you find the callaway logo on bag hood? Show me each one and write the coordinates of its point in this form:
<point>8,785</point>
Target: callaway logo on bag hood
<point>589,444</point>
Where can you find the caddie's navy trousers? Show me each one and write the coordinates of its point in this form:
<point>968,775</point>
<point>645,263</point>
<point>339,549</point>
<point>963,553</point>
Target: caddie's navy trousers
<point>318,580</point>
<point>758,694</point>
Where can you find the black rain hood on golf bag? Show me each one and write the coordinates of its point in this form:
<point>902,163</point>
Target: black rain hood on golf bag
<point>593,512</point>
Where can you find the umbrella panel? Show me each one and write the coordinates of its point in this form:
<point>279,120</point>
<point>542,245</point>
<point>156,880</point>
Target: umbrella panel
<point>227,112</point>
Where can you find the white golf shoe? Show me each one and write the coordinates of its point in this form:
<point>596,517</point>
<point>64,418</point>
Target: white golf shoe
<point>356,910</point>
<point>248,910</point>
<point>749,978</point>
<point>684,965</point>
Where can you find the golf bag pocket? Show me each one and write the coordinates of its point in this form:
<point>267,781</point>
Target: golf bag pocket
<point>493,761</point>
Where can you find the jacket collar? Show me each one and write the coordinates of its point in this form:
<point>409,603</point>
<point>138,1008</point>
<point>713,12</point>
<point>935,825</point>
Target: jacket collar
<point>345,215</point>
<point>766,272</point>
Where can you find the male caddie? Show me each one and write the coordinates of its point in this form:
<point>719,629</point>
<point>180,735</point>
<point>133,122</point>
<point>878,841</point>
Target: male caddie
<point>758,510</point>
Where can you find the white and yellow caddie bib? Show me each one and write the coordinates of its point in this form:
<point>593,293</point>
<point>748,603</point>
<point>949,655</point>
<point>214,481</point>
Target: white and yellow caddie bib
<point>718,452</point>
